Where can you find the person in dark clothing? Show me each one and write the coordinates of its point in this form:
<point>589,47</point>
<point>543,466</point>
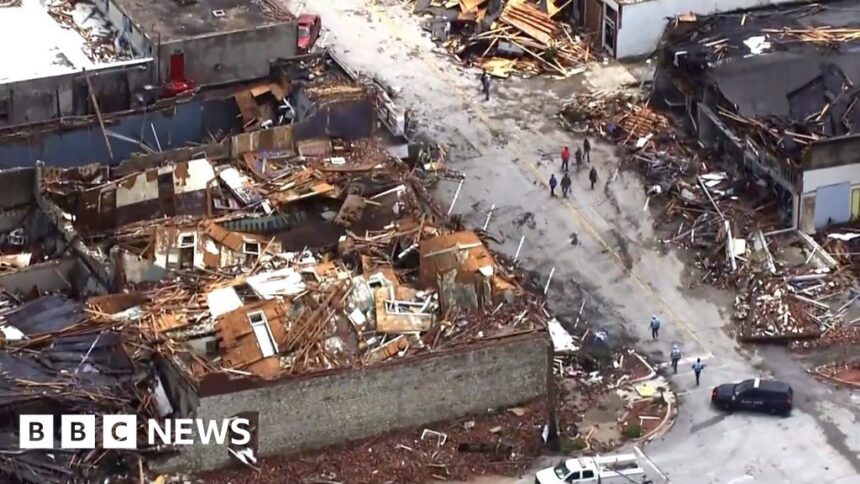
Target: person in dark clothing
<point>586,147</point>
<point>655,327</point>
<point>485,84</point>
<point>565,158</point>
<point>552,184</point>
<point>578,158</point>
<point>565,185</point>
<point>592,176</point>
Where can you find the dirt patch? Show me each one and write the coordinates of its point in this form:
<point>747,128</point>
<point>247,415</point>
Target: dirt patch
<point>635,367</point>
<point>502,444</point>
<point>841,372</point>
<point>600,422</point>
<point>643,417</point>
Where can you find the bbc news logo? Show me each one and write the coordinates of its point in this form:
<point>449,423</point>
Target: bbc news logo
<point>120,432</point>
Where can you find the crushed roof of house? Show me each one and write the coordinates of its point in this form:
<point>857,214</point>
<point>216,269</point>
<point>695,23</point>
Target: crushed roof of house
<point>788,73</point>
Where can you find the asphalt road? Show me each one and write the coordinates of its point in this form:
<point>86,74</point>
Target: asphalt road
<point>508,147</point>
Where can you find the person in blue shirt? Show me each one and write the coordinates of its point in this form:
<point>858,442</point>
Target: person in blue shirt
<point>655,327</point>
<point>552,184</point>
<point>675,356</point>
<point>698,366</point>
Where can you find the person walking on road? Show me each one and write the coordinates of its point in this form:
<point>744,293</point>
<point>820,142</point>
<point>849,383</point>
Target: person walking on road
<point>565,158</point>
<point>675,356</point>
<point>578,158</point>
<point>592,176</point>
<point>565,185</point>
<point>655,327</point>
<point>552,184</point>
<point>698,366</point>
<point>486,83</point>
<point>586,148</point>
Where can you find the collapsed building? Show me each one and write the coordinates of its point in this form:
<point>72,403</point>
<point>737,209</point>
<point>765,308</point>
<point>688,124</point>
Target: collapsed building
<point>299,275</point>
<point>774,91</point>
<point>632,28</point>
<point>768,98</point>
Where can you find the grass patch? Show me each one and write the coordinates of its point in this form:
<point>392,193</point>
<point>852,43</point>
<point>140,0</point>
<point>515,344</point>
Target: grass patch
<point>633,431</point>
<point>569,446</point>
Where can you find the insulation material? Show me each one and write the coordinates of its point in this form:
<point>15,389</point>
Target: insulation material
<point>222,301</point>
<point>282,282</point>
<point>136,189</point>
<point>192,176</point>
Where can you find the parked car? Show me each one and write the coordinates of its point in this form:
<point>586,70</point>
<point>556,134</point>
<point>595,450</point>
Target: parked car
<point>756,394</point>
<point>309,26</point>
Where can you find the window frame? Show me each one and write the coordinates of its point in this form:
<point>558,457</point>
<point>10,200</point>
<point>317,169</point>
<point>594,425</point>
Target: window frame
<point>262,325</point>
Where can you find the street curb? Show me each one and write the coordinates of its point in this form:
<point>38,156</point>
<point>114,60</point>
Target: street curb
<point>668,422</point>
<point>644,378</point>
<point>832,379</point>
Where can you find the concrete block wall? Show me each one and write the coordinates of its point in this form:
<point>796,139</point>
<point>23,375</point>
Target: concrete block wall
<point>231,56</point>
<point>310,413</point>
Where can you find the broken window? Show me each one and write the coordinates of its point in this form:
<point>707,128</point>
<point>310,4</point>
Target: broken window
<point>173,259</point>
<point>186,240</point>
<point>263,332</point>
<point>107,201</point>
<point>252,249</point>
<point>4,109</point>
<point>246,293</point>
<point>187,243</point>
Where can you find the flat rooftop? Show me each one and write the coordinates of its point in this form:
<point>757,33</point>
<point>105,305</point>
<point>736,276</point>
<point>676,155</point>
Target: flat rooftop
<point>37,45</point>
<point>174,20</point>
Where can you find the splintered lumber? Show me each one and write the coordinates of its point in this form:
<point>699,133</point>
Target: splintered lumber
<point>531,21</point>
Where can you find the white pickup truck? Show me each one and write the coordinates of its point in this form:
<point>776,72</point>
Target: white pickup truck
<point>633,468</point>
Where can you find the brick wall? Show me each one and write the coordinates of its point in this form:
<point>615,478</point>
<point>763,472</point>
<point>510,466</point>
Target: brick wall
<point>309,413</point>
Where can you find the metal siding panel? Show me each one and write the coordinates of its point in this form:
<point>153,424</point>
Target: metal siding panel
<point>832,204</point>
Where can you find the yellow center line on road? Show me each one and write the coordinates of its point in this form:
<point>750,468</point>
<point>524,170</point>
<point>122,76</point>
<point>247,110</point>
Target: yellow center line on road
<point>395,27</point>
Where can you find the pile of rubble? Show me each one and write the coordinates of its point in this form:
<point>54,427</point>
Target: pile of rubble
<point>723,216</point>
<point>510,36</point>
<point>359,286</point>
<point>75,359</point>
<point>306,247</point>
<point>500,444</point>
<point>626,118</point>
<point>102,42</point>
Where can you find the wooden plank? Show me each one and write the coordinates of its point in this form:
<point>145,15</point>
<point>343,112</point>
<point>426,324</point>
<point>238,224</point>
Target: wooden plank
<point>98,113</point>
<point>530,20</point>
<point>467,6</point>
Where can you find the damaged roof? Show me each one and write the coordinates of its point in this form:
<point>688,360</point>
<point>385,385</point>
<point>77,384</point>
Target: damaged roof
<point>788,73</point>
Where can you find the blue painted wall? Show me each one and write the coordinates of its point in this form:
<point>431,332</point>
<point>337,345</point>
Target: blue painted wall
<point>187,122</point>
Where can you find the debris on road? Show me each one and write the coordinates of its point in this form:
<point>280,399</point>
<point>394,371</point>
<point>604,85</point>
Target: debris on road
<point>518,37</point>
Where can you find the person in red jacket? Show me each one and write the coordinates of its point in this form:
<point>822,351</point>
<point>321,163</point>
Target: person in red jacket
<point>565,158</point>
